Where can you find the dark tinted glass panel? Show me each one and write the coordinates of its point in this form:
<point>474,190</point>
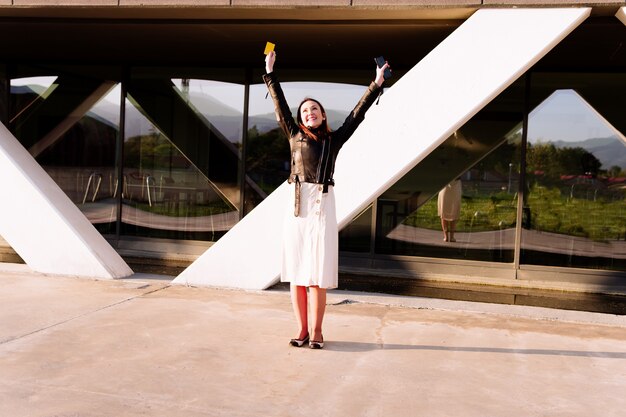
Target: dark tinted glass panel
<point>181,157</point>
<point>576,172</point>
<point>357,236</point>
<point>470,181</point>
<point>7,254</point>
<point>68,119</point>
<point>4,95</point>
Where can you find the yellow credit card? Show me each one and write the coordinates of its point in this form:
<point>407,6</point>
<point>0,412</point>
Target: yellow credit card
<point>269,47</point>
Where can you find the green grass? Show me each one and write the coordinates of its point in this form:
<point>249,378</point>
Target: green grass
<point>478,214</point>
<point>598,220</point>
<point>551,211</point>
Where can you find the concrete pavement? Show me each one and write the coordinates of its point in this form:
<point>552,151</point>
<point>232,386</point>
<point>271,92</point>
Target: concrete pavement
<point>73,347</point>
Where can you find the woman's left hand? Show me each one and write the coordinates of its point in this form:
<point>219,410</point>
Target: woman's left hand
<point>380,74</point>
<point>270,59</point>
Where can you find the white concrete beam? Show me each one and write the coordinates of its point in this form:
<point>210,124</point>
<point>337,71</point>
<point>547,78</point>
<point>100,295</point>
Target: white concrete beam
<point>450,85</point>
<point>44,226</point>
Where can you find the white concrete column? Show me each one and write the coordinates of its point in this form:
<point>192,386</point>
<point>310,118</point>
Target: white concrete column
<point>44,226</point>
<point>449,86</point>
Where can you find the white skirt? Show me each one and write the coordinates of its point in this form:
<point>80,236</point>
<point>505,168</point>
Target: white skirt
<point>449,201</point>
<point>310,241</point>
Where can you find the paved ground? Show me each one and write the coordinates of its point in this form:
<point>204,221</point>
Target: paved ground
<point>74,347</point>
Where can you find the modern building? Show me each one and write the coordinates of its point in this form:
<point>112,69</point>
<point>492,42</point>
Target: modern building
<point>139,133</point>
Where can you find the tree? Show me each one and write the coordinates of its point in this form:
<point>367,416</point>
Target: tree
<point>554,162</point>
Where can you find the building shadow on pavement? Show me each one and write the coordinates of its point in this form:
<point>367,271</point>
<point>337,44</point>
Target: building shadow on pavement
<point>345,346</point>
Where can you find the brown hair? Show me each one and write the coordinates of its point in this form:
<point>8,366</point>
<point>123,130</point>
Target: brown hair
<point>323,127</point>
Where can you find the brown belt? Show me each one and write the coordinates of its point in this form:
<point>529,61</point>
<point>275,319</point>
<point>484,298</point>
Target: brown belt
<point>298,185</point>
<point>296,209</point>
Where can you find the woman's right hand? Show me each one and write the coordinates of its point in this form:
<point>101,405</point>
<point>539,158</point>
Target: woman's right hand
<point>380,74</point>
<point>270,58</point>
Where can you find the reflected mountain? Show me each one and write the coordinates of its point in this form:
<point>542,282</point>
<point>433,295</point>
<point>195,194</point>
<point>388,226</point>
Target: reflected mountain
<point>266,122</point>
<point>611,151</point>
<point>28,89</point>
<point>226,119</point>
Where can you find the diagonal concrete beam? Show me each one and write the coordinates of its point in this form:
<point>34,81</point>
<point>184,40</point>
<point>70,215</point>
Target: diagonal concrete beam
<point>448,87</point>
<point>42,224</point>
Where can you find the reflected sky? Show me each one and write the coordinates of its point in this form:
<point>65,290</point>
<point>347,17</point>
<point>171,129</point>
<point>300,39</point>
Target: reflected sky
<point>341,97</point>
<point>566,116</point>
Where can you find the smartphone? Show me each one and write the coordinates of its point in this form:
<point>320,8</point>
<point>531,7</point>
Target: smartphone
<point>380,61</point>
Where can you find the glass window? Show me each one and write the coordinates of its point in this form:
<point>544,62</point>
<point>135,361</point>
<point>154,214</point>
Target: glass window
<point>576,172</point>
<point>28,92</point>
<point>181,157</point>
<point>5,86</point>
<point>219,104</point>
<point>357,236</point>
<point>70,124</point>
<point>460,202</point>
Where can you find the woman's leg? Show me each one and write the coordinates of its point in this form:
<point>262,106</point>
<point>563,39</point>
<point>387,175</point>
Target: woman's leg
<point>452,228</point>
<point>444,227</point>
<point>318,307</point>
<point>299,302</point>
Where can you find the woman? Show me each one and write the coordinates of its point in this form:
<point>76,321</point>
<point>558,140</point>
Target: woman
<point>449,208</point>
<point>310,240</point>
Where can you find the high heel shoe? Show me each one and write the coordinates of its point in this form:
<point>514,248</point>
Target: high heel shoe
<point>314,344</point>
<point>299,342</point>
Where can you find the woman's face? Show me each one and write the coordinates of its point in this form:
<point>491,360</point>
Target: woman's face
<point>311,114</point>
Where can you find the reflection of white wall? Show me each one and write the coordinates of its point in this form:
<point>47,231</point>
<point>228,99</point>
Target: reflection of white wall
<point>107,109</point>
<point>136,123</point>
<point>219,104</point>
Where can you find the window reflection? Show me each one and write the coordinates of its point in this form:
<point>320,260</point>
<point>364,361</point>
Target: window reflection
<point>481,160</point>
<point>219,104</point>
<point>27,92</point>
<point>70,125</point>
<point>576,161</point>
<point>181,161</point>
<point>5,88</point>
<point>357,236</point>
